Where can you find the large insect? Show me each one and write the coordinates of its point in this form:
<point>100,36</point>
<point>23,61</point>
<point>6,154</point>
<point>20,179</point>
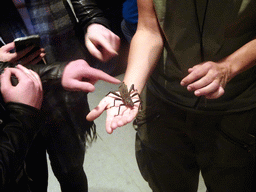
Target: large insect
<point>125,96</point>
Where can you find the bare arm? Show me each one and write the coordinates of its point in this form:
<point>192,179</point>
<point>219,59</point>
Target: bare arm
<point>146,46</point>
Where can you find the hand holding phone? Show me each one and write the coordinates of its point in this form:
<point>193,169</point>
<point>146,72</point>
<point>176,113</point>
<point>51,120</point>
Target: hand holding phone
<point>29,48</point>
<point>7,55</point>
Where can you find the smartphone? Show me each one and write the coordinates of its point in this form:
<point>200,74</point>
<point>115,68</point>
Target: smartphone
<point>24,42</point>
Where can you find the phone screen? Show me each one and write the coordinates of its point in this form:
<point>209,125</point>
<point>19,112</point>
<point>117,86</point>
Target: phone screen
<point>24,42</point>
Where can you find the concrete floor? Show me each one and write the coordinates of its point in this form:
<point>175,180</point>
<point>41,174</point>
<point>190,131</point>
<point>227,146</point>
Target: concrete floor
<point>110,162</point>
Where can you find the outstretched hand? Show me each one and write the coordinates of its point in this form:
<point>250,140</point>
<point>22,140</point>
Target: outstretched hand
<point>79,76</point>
<point>118,114</point>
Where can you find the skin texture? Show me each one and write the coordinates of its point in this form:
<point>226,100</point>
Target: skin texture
<point>29,89</point>
<point>7,56</point>
<point>205,79</point>
<point>79,76</point>
<point>101,42</point>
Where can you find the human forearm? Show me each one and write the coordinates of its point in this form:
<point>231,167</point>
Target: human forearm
<point>146,46</point>
<point>241,60</point>
<point>143,57</point>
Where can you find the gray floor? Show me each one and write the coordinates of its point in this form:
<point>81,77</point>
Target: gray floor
<point>110,162</point>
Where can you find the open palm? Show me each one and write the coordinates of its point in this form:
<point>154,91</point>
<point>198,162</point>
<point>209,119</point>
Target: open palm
<point>118,112</point>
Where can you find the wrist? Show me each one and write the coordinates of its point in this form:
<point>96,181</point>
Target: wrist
<point>230,67</point>
<point>242,59</point>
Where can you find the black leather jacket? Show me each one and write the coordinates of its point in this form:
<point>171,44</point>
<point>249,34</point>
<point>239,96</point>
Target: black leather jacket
<point>19,125</point>
<point>88,12</point>
<point>47,73</point>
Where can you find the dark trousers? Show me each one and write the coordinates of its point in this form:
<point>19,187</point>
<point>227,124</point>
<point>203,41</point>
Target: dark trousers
<point>174,145</point>
<point>64,138</point>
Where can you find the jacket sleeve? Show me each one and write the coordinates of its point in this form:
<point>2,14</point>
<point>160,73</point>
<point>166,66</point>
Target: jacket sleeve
<point>88,12</point>
<point>46,72</point>
<point>19,128</point>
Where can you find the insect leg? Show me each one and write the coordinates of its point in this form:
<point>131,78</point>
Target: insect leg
<point>135,94</point>
<point>114,93</point>
<point>118,99</point>
<point>140,106</point>
<point>119,109</point>
<point>131,89</point>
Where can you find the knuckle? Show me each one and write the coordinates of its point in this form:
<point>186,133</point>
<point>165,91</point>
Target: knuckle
<point>30,82</point>
<point>197,74</point>
<point>208,64</point>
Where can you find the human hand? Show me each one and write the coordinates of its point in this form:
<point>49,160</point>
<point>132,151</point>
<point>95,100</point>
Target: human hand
<point>208,79</point>
<point>79,76</point>
<point>119,111</point>
<point>101,42</point>
<point>19,57</point>
<point>29,89</point>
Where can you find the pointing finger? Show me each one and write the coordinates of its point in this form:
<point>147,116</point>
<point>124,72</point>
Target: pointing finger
<point>100,75</point>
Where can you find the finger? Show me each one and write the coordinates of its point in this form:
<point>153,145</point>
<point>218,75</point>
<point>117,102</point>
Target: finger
<point>128,116</point>
<point>97,111</point>
<point>211,88</point>
<point>203,82</point>
<point>6,79</point>
<point>8,72</point>
<point>116,43</point>
<point>23,52</point>
<point>108,46</point>
<point>93,50</point>
<point>110,126</point>
<point>35,61</point>
<point>77,85</point>
<point>25,71</point>
<point>100,75</point>
<point>8,47</point>
<point>193,76</point>
<point>37,79</point>
<point>33,75</point>
<point>9,57</point>
<point>123,119</point>
<point>32,58</point>
<point>216,94</point>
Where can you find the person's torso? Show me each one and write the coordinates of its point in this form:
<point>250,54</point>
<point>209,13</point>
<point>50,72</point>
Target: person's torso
<point>198,31</point>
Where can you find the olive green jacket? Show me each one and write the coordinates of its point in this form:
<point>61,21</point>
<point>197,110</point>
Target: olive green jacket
<point>195,32</point>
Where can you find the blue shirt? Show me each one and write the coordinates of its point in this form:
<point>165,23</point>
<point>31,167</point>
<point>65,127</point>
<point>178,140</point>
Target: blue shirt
<point>130,11</point>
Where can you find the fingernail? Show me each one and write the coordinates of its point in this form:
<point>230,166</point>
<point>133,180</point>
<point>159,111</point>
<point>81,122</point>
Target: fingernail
<point>189,88</point>
<point>197,93</point>
<point>182,83</point>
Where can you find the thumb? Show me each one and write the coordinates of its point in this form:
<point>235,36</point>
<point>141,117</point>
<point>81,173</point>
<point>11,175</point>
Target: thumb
<point>5,79</point>
<point>97,111</point>
<point>8,47</point>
